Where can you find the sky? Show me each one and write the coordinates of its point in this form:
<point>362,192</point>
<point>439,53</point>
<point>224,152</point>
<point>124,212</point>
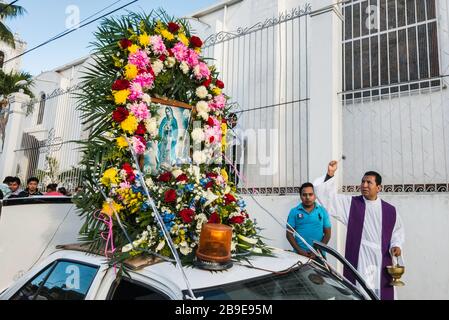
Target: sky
<point>47,18</point>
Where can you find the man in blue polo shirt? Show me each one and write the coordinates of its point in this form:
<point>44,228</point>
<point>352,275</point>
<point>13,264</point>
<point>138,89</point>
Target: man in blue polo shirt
<point>310,220</point>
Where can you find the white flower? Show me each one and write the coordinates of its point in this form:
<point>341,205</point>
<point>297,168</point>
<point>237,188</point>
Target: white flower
<point>157,66</point>
<point>160,245</point>
<point>185,248</point>
<point>210,196</point>
<point>146,98</point>
<point>203,115</point>
<point>202,106</point>
<point>199,157</point>
<point>197,135</point>
<point>170,62</point>
<point>176,173</point>
<point>201,92</point>
<point>149,182</point>
<point>184,67</point>
<point>151,126</point>
<point>127,247</point>
<point>233,245</point>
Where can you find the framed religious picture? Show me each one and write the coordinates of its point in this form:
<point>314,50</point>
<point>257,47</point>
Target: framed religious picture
<point>173,144</point>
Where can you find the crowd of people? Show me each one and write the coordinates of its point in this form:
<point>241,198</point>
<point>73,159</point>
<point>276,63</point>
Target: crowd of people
<point>11,188</point>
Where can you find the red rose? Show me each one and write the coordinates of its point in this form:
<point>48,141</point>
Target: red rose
<point>211,139</point>
<point>120,84</point>
<point>170,52</point>
<point>182,178</point>
<point>173,27</point>
<point>165,177</point>
<point>141,130</point>
<point>214,218</point>
<point>162,57</point>
<point>208,185</point>
<point>207,82</point>
<point>219,84</point>
<point>210,122</point>
<point>196,42</point>
<point>229,198</point>
<point>125,43</point>
<point>129,172</point>
<point>211,175</point>
<point>120,114</point>
<point>237,219</point>
<point>170,196</point>
<point>187,215</point>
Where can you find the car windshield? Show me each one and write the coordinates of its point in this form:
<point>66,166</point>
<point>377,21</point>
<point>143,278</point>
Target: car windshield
<point>304,283</point>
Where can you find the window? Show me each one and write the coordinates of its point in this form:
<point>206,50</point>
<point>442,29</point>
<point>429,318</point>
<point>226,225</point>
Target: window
<point>305,283</point>
<point>389,46</point>
<point>62,280</point>
<point>2,59</point>
<point>40,115</point>
<point>131,290</point>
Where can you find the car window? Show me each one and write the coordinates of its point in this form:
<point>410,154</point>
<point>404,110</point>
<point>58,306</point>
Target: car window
<point>63,280</point>
<point>131,290</point>
<point>304,283</point>
<point>28,291</point>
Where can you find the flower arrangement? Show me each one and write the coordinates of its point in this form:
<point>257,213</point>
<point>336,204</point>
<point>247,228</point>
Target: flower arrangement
<point>138,58</point>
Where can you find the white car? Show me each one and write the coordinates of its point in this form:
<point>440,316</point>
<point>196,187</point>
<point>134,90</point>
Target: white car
<point>34,268</point>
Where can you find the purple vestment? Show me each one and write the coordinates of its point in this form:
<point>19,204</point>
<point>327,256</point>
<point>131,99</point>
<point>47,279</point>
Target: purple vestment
<point>354,238</point>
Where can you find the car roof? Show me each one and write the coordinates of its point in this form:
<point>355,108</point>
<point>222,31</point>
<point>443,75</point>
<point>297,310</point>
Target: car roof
<point>168,273</point>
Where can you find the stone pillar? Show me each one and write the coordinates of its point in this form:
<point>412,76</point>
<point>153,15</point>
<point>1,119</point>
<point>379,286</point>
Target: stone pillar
<point>325,120</point>
<point>325,114</point>
<point>13,134</point>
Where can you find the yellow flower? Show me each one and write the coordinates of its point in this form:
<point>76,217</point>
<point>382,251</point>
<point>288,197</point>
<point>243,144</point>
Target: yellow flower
<point>129,124</point>
<point>197,50</point>
<point>109,177</point>
<point>109,209</point>
<point>216,91</point>
<point>130,71</point>
<point>224,130</point>
<point>133,48</point>
<point>224,174</point>
<point>121,96</point>
<point>121,142</point>
<point>167,34</point>
<point>144,39</point>
<point>182,37</point>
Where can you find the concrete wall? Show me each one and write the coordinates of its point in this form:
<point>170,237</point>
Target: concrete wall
<point>426,254</point>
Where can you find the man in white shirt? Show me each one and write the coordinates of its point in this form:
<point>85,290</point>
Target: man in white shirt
<point>375,231</point>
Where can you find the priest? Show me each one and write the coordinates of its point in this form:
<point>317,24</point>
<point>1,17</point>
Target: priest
<point>375,231</point>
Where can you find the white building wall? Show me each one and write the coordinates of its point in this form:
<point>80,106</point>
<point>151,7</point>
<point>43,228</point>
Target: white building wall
<point>13,65</point>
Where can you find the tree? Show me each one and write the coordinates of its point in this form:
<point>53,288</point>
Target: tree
<point>12,82</point>
<point>9,11</point>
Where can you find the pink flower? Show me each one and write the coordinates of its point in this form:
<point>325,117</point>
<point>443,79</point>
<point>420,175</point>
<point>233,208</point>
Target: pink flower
<point>180,51</point>
<point>201,71</point>
<point>125,185</point>
<point>135,92</point>
<point>158,45</point>
<point>139,59</point>
<point>192,58</point>
<point>218,103</point>
<point>140,110</point>
<point>138,144</point>
<point>213,122</point>
<point>146,80</point>
<point>213,134</point>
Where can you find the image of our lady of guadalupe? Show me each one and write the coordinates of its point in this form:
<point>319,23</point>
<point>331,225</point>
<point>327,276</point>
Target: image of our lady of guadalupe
<point>168,134</point>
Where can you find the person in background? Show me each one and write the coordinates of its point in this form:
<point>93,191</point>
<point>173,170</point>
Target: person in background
<point>31,189</point>
<point>51,190</point>
<point>5,191</point>
<point>64,191</point>
<point>14,186</point>
<point>310,220</point>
